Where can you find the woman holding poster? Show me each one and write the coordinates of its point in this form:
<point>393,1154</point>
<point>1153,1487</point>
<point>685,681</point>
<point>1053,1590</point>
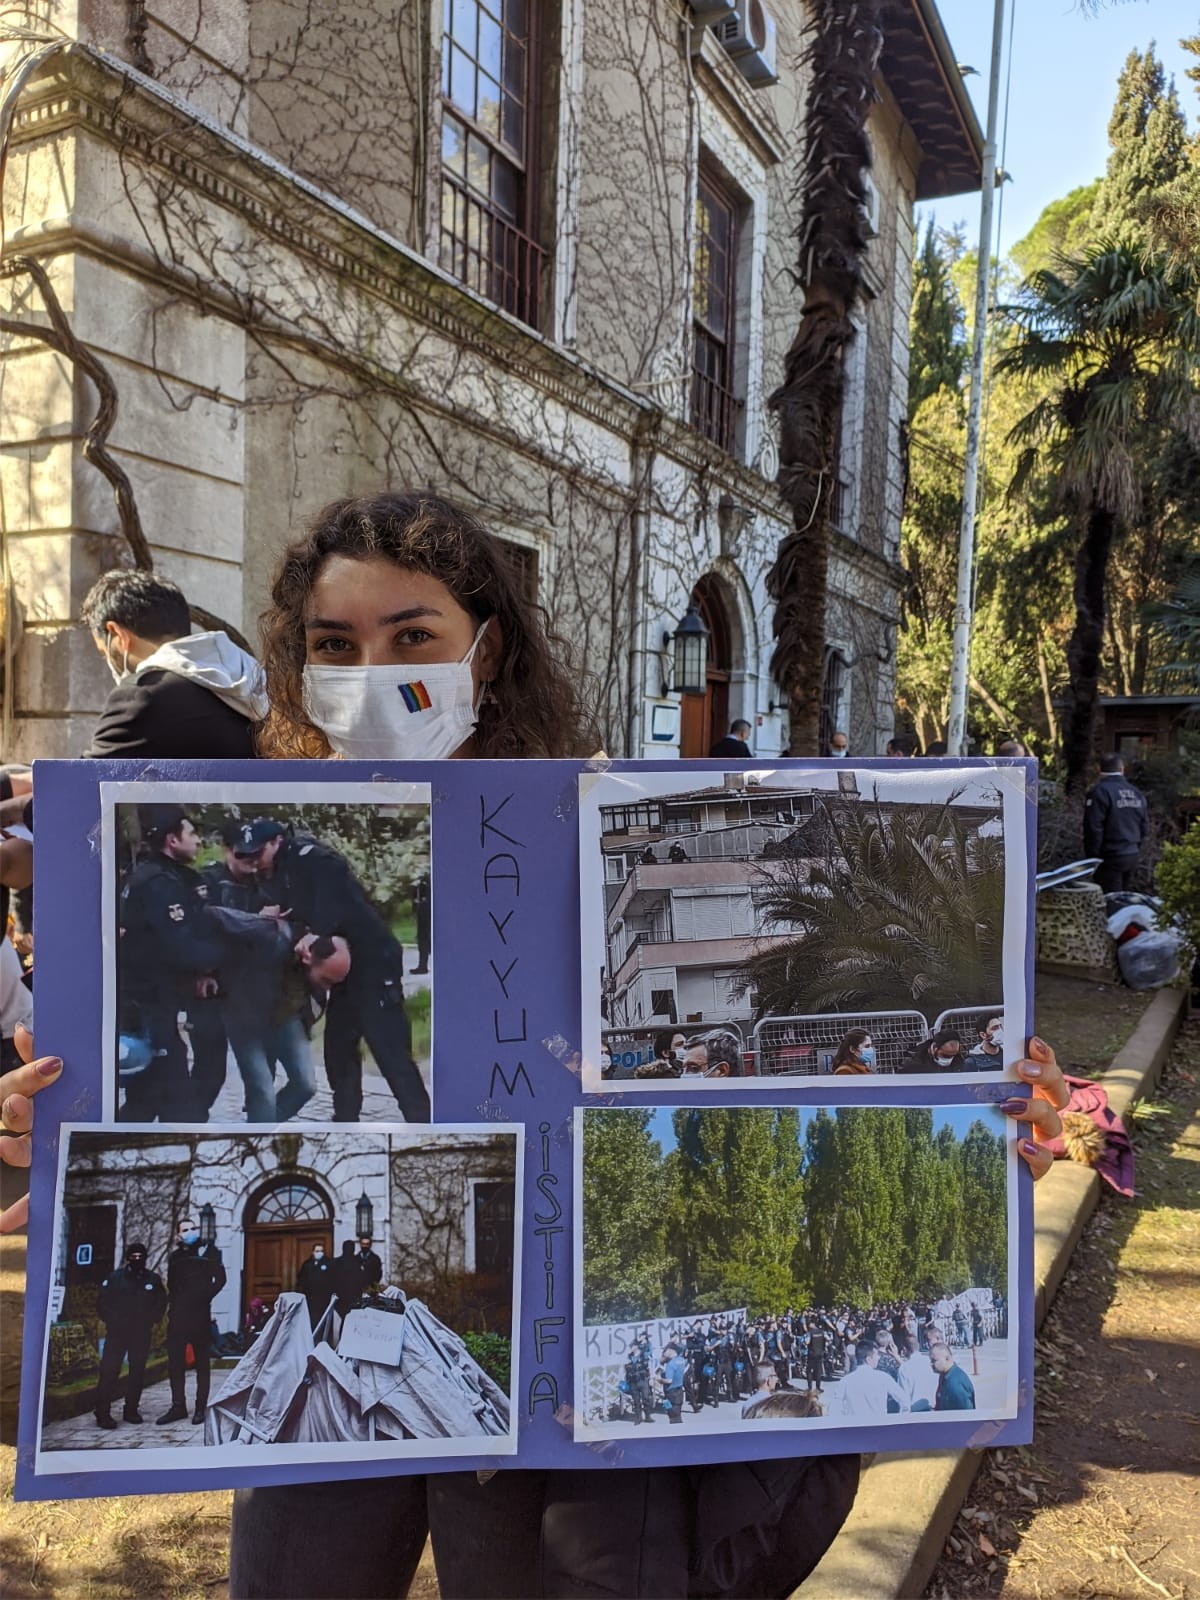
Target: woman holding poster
<point>405,592</point>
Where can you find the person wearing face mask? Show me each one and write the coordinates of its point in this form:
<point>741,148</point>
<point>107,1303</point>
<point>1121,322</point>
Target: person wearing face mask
<point>195,1276</point>
<point>839,745</point>
<point>381,588</point>
<point>131,1300</point>
<point>987,1054</point>
<point>941,1053</point>
<point>316,1281</point>
<point>855,1055</point>
<point>176,693</point>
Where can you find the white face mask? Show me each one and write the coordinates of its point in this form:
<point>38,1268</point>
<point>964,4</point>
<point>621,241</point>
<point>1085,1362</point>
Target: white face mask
<point>418,713</point>
<point>124,671</point>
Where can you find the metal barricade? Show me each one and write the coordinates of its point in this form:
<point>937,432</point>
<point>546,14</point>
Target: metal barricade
<point>806,1046</point>
<point>969,1021</point>
<point>634,1046</point>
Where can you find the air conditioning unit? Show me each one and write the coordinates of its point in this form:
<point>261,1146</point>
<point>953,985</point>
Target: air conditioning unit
<point>748,37</point>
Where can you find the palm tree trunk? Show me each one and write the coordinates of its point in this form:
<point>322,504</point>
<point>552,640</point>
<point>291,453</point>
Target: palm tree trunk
<point>841,59</point>
<point>1084,652</point>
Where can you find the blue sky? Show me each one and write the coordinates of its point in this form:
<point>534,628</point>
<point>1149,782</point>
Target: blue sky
<point>1064,78</point>
<point>959,1118</point>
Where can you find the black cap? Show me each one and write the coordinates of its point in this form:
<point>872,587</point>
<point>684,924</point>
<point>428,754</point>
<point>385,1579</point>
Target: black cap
<point>136,1249</point>
<point>248,838</point>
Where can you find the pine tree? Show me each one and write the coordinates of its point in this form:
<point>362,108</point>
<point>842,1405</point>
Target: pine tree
<point>937,350</point>
<point>624,1217</point>
<point>1148,140</point>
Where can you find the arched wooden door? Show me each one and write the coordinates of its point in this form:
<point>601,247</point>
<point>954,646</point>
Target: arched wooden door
<point>284,1220</point>
<point>703,719</point>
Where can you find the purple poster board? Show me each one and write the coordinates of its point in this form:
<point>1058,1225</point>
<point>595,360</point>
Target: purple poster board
<point>517,1023</point>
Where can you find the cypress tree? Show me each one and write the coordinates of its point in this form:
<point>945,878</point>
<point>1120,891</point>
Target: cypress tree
<point>1148,146</point>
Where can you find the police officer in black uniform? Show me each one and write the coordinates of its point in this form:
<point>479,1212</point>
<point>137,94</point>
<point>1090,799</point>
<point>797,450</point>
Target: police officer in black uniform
<point>696,1355</point>
<point>638,1375</point>
<point>422,904</point>
<point>130,1302</point>
<point>315,886</point>
<point>166,957</point>
<point>1116,825</point>
<point>195,1276</point>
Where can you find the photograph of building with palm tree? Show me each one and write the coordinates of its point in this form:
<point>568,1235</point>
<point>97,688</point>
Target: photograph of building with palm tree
<point>868,1252</point>
<point>795,923</point>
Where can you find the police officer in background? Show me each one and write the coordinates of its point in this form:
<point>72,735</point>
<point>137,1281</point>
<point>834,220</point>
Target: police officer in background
<point>422,904</point>
<point>369,1263</point>
<point>130,1302</point>
<point>638,1376</point>
<point>1116,825</point>
<point>315,886</point>
<point>167,956</point>
<point>195,1276</point>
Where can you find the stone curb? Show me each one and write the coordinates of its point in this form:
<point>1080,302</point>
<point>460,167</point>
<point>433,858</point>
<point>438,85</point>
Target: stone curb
<point>891,1541</point>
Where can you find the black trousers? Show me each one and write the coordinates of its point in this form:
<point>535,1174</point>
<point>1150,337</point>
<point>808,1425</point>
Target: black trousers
<point>210,1055</point>
<point>369,1006</point>
<point>743,1530</point>
<point>121,1343</point>
<point>163,1092</point>
<point>1115,873</point>
<point>182,1331</point>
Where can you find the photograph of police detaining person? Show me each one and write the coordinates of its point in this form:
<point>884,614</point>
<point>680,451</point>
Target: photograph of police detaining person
<point>272,959</point>
<point>219,1290</point>
<point>793,1266</point>
<point>796,924</point>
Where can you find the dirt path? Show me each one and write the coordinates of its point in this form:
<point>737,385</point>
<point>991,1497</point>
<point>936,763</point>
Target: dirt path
<point>1106,1502</point>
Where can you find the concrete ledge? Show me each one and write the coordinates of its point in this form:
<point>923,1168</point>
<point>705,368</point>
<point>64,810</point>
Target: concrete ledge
<point>890,1543</point>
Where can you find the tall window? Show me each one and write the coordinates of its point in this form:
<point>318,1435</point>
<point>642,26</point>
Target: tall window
<point>833,689</point>
<point>488,129</point>
<point>713,313</point>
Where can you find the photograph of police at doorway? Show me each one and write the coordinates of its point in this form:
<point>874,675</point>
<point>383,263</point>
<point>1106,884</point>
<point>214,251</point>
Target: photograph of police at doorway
<point>273,959</point>
<point>227,1290</point>
<point>791,924</point>
<point>800,1267</point>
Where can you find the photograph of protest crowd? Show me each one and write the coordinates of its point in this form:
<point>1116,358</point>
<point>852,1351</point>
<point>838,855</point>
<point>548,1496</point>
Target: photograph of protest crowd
<point>219,1290</point>
<point>271,957</point>
<point>812,1267</point>
<point>798,923</point>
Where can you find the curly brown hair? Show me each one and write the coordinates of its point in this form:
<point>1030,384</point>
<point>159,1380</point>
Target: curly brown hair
<point>536,706</point>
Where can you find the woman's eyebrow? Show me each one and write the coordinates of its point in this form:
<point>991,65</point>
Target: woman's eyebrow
<point>333,625</point>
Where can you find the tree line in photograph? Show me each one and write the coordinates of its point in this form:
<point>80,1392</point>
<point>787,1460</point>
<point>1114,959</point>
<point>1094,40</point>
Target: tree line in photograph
<point>870,1204</point>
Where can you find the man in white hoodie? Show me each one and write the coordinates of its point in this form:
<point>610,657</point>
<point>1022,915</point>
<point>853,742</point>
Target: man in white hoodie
<point>190,696</point>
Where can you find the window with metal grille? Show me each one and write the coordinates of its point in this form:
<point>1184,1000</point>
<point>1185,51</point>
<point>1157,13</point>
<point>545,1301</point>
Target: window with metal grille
<point>833,687</point>
<point>291,1201</point>
<point>714,306</point>
<point>488,139</point>
<point>523,563</point>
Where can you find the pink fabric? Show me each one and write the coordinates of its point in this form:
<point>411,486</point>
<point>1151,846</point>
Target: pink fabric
<point>1115,1165</point>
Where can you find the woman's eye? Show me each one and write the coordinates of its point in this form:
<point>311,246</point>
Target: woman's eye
<point>335,645</point>
<point>414,636</point>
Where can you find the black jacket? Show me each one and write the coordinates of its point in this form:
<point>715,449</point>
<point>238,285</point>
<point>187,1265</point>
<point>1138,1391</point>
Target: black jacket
<point>318,886</point>
<point>729,746</point>
<point>167,942</point>
<point>1115,819</point>
<point>131,1300</point>
<point>163,715</point>
<point>194,1277</point>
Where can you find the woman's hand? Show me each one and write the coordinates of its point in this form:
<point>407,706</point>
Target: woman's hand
<point>1050,1096</point>
<point>17,1089</point>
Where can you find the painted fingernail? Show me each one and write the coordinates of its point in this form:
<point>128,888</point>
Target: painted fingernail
<point>1028,1146</point>
<point>1030,1069</point>
<point>1040,1045</point>
<point>1011,1106</point>
<point>50,1068</point>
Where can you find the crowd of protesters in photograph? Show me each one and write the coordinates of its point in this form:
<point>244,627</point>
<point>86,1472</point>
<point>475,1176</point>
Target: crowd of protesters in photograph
<point>896,1356</point>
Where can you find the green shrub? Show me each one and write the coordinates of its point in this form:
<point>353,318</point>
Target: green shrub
<point>493,1353</point>
<point>1178,881</point>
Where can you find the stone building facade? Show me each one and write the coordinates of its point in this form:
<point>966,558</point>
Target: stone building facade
<point>441,1205</point>
<point>537,254</point>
